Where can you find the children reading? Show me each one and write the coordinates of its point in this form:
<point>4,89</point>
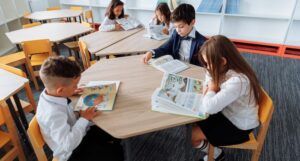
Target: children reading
<point>163,17</point>
<point>185,42</point>
<point>231,97</point>
<point>114,11</point>
<point>69,136</point>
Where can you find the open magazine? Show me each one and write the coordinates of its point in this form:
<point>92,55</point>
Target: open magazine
<point>179,95</point>
<point>99,94</point>
<point>129,23</point>
<point>155,32</point>
<point>168,65</point>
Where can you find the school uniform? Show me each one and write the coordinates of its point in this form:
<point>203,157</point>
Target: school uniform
<point>108,24</point>
<point>183,48</point>
<point>66,135</point>
<point>233,111</point>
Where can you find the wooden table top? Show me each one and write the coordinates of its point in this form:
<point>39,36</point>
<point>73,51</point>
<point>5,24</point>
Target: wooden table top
<point>56,14</point>
<point>132,114</point>
<point>55,32</point>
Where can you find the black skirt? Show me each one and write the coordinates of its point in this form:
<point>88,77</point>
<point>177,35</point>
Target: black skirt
<point>219,131</point>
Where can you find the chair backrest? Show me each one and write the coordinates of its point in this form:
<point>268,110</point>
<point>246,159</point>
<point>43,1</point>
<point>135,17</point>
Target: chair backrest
<point>37,47</point>
<point>53,8</point>
<point>86,24</point>
<point>2,120</point>
<point>25,20</point>
<point>88,15</point>
<point>31,25</point>
<point>85,55</point>
<point>36,139</point>
<point>27,87</point>
<point>77,8</point>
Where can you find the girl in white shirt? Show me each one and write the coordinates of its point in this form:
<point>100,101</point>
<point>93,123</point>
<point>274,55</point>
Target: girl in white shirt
<point>231,96</point>
<point>163,17</point>
<point>114,11</point>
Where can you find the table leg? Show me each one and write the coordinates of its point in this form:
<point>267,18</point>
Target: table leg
<point>21,112</point>
<point>18,47</point>
<point>126,144</point>
<point>56,49</point>
<point>80,19</point>
<point>188,145</point>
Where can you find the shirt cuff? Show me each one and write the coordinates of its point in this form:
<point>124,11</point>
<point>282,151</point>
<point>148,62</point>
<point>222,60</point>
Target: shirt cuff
<point>153,53</point>
<point>210,93</point>
<point>83,122</point>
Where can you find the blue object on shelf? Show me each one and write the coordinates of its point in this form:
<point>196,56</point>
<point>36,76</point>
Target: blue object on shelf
<point>232,6</point>
<point>210,6</point>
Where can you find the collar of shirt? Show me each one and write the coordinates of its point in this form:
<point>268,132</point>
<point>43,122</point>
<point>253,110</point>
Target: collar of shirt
<point>58,100</point>
<point>190,36</point>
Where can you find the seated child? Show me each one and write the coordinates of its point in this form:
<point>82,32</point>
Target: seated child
<point>163,17</point>
<point>114,11</point>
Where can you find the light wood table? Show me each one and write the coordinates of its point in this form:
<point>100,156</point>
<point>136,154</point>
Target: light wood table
<point>10,85</point>
<point>56,14</point>
<point>99,40</point>
<point>55,32</point>
<point>136,43</point>
<point>132,114</point>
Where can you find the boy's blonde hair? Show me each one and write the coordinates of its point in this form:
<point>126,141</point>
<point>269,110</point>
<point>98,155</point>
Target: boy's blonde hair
<point>59,71</point>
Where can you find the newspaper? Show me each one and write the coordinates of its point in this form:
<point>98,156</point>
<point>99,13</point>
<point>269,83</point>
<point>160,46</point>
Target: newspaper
<point>155,32</point>
<point>168,65</point>
<point>99,94</point>
<point>129,23</point>
<point>179,95</point>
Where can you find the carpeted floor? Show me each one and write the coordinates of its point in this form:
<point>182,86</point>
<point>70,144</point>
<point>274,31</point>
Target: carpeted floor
<point>281,79</point>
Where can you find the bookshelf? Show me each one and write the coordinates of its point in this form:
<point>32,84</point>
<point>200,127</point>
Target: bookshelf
<point>270,23</point>
<point>10,13</point>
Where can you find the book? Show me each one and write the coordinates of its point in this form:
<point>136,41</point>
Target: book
<point>168,65</point>
<point>155,32</point>
<point>99,94</point>
<point>179,95</point>
<point>232,6</point>
<point>210,6</point>
<point>129,23</point>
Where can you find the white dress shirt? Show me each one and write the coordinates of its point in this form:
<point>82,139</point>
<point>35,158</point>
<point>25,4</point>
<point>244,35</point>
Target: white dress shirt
<point>234,100</point>
<point>60,128</point>
<point>185,47</point>
<point>108,24</point>
<point>171,25</point>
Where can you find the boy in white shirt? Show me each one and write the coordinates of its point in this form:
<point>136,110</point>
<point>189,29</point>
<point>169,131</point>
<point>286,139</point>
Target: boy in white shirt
<point>69,136</point>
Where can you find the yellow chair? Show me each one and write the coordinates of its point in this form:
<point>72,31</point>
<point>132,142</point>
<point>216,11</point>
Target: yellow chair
<point>37,140</point>
<point>27,107</point>
<point>36,52</point>
<point>25,20</point>
<point>9,141</point>
<point>77,8</point>
<point>85,55</point>
<point>88,16</point>
<point>31,25</point>
<point>53,8</point>
<point>265,113</point>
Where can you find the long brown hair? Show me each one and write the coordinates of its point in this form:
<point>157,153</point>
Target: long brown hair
<point>219,47</point>
<point>164,9</point>
<point>110,9</point>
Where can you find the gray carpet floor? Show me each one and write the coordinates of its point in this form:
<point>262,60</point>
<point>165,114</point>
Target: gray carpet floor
<point>281,79</point>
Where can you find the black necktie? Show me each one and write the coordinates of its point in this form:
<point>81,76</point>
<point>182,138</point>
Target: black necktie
<point>69,100</point>
<point>185,38</point>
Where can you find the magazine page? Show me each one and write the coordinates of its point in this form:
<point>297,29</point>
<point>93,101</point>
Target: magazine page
<point>100,96</point>
<point>129,23</point>
<point>168,64</point>
<point>155,32</point>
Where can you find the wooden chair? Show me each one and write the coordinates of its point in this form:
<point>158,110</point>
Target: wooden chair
<point>265,113</point>
<point>88,17</point>
<point>24,20</point>
<point>53,8</point>
<point>27,107</point>
<point>37,140</point>
<point>9,138</point>
<point>85,55</point>
<point>36,52</point>
<point>77,8</point>
<point>31,25</point>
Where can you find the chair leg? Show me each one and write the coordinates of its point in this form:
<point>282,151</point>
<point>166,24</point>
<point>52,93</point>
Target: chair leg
<point>70,52</point>
<point>30,70</point>
<point>255,155</point>
<point>210,152</point>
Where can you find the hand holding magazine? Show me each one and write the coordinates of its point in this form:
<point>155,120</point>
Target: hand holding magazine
<point>155,32</point>
<point>99,94</point>
<point>168,65</point>
<point>179,95</point>
<point>129,23</point>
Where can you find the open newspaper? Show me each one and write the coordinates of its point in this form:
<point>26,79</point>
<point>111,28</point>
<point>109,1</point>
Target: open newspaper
<point>179,95</point>
<point>155,32</point>
<point>99,94</point>
<point>168,65</point>
<point>129,23</point>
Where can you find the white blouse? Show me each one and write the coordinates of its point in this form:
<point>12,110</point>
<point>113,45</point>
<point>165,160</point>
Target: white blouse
<point>170,29</point>
<point>108,24</point>
<point>233,100</point>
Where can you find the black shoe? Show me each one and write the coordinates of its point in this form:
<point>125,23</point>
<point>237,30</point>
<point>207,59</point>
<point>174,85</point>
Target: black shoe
<point>221,157</point>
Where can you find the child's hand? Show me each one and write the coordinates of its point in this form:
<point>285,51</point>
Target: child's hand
<point>126,16</point>
<point>89,113</point>
<point>147,57</point>
<point>165,31</point>
<point>78,91</point>
<point>205,89</point>
<point>118,27</point>
<point>213,87</point>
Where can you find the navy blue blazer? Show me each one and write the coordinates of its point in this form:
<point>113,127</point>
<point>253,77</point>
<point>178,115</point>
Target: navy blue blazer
<point>172,46</point>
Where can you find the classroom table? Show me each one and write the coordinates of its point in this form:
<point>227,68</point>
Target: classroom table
<point>10,85</point>
<point>99,40</point>
<point>55,32</point>
<point>132,114</point>
<point>56,14</point>
<point>136,43</point>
